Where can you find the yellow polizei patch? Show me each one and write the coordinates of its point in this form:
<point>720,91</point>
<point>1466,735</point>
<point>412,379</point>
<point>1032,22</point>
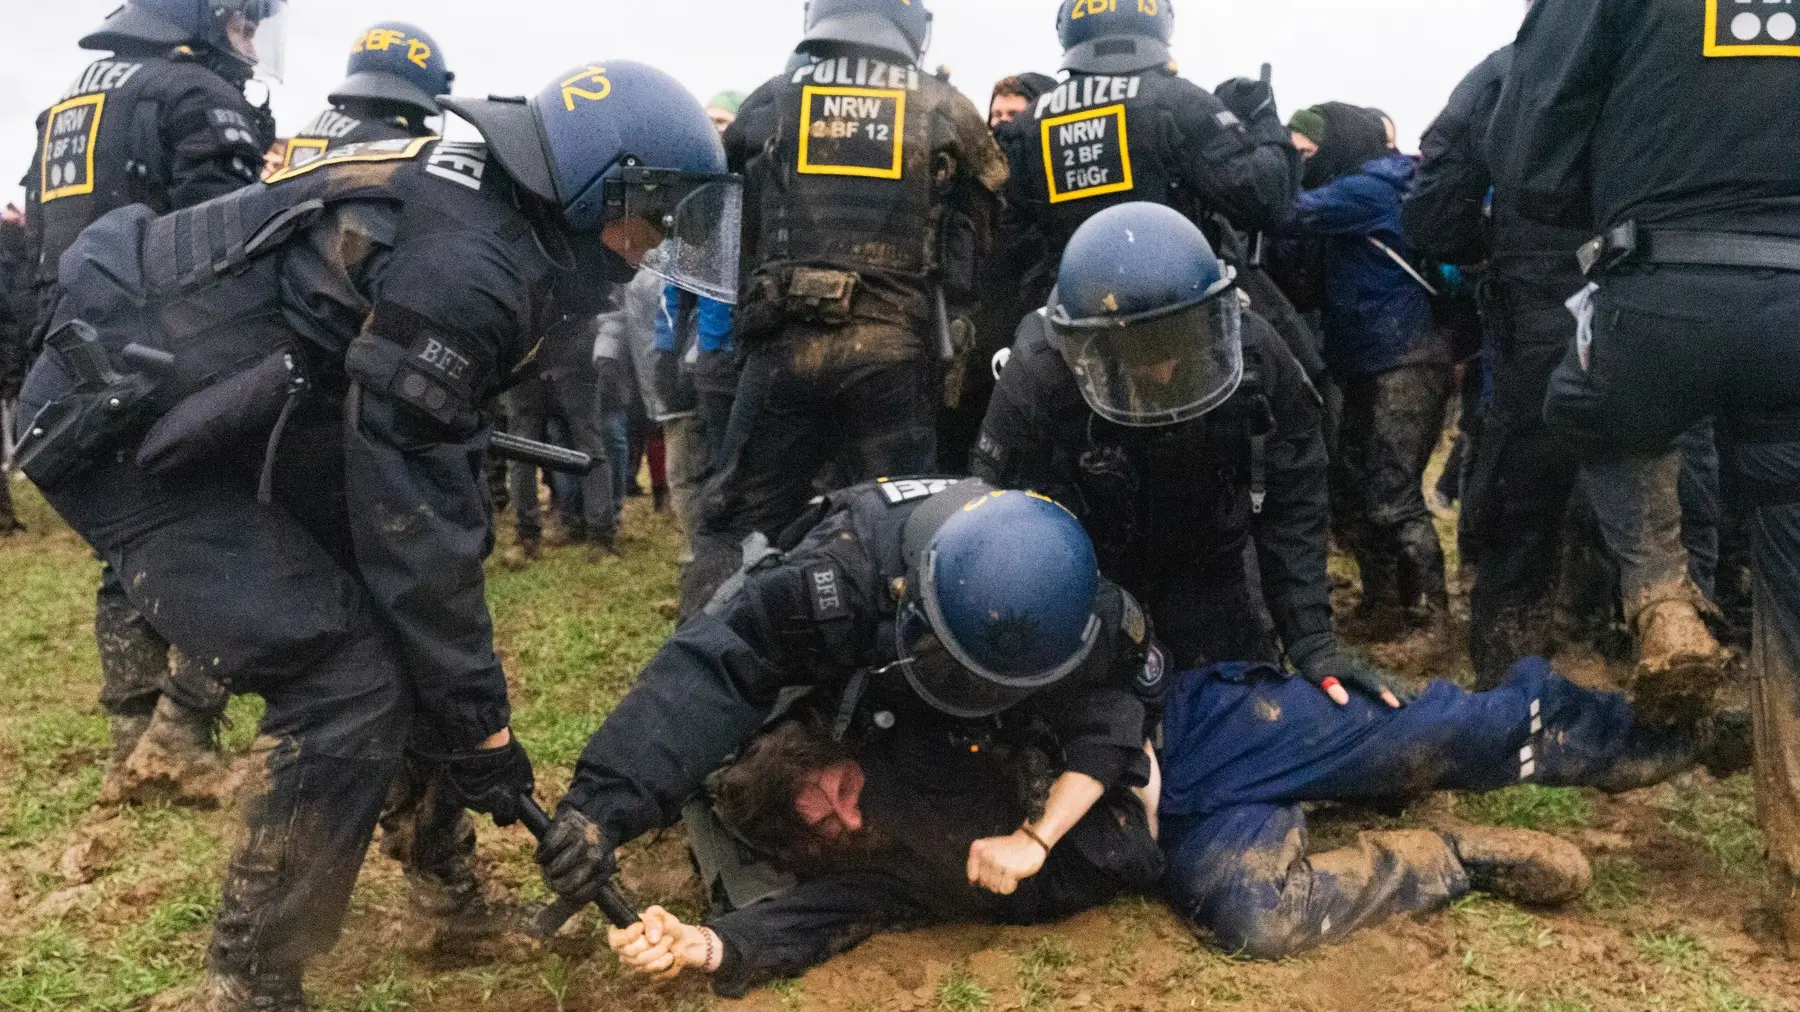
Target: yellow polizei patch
<point>67,161</point>
<point>1741,30</point>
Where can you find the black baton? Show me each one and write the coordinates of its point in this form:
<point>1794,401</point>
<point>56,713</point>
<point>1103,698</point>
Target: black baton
<point>615,906</point>
<point>550,458</point>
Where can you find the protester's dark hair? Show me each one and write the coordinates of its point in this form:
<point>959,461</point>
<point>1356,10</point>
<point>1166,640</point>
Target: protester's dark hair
<point>1027,86</point>
<point>754,796</point>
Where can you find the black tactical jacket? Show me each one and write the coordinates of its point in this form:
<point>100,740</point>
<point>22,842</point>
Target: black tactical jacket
<point>860,165</point>
<point>348,124</point>
<point>814,618</point>
<point>1176,504</point>
<point>160,130</point>
<point>402,271</point>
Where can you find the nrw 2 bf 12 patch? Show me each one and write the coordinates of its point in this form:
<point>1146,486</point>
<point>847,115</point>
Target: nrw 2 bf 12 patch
<point>1087,154</point>
<point>1752,28</point>
<point>852,132</point>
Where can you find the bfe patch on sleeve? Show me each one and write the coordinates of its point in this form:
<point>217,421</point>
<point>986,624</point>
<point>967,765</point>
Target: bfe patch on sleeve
<point>825,591</point>
<point>1740,28</point>
<point>1087,154</point>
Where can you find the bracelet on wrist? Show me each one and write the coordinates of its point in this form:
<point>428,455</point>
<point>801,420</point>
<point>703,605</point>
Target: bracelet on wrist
<point>1032,834</point>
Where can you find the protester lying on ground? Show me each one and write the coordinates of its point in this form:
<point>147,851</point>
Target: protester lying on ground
<point>883,837</point>
<point>913,608</point>
<point>1244,747</point>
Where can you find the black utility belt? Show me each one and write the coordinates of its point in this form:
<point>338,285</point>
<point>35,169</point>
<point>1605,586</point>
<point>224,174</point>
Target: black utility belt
<point>1629,244</point>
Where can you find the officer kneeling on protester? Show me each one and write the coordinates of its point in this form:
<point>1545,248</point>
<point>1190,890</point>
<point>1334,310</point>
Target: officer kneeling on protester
<point>1176,425</point>
<point>263,412</point>
<point>396,72</point>
<point>936,631</point>
<point>162,121</point>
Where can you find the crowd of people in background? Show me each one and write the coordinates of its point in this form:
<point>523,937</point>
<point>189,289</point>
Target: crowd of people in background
<point>1008,453</point>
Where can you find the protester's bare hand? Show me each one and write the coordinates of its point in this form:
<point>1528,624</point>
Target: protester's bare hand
<point>999,863</point>
<point>657,946</point>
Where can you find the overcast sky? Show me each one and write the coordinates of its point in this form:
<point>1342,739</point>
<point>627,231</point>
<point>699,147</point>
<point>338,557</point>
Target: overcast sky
<point>1403,56</point>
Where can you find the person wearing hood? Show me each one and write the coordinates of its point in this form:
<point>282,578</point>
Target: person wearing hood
<point>1382,347</point>
<point>1014,96</point>
<point>395,75</point>
<point>871,188</point>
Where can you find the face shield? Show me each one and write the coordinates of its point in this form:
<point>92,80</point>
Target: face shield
<point>256,31</point>
<point>952,681</point>
<point>700,219</point>
<point>1162,370</point>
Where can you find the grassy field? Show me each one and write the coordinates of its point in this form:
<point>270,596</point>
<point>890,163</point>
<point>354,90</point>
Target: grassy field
<point>106,910</point>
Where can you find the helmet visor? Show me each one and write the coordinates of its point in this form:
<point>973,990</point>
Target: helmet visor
<point>701,221</point>
<point>942,681</point>
<point>257,31</point>
<point>1159,371</point>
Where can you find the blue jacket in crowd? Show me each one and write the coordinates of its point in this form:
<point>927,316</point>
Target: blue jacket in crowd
<point>1375,313</point>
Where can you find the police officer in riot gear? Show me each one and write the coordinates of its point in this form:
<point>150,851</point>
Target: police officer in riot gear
<point>1124,127</point>
<point>1176,426</point>
<point>396,73</point>
<point>870,189</point>
<point>1649,125</point>
<point>161,122</point>
<point>911,610</point>
<point>266,411</point>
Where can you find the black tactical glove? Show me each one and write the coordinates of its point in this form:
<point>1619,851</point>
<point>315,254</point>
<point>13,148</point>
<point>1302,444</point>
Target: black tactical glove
<point>576,856</point>
<point>493,781</point>
<point>1322,662</point>
<point>1251,100</point>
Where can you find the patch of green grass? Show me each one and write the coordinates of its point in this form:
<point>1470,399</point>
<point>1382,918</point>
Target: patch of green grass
<point>1724,822</point>
<point>1505,922</point>
<point>1618,883</point>
<point>1504,1003</point>
<point>1529,806</point>
<point>1038,968</point>
<point>960,993</point>
<point>1675,950</point>
<point>792,994</point>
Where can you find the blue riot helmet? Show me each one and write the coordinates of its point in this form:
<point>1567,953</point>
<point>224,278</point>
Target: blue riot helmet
<point>1147,317</point>
<point>1115,36</point>
<point>615,142</point>
<point>398,63</point>
<point>902,27</point>
<point>1000,595</point>
<point>251,32</point>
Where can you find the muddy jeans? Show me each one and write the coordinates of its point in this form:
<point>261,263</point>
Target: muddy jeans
<point>1673,346</point>
<point>1245,747</point>
<point>1391,425</point>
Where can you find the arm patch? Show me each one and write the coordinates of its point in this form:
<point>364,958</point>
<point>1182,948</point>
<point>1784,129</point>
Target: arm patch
<point>825,592</point>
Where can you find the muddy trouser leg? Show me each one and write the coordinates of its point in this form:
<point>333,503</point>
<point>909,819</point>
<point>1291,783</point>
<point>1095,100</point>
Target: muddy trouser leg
<point>1635,500</point>
<point>1409,424</point>
<point>762,478</point>
<point>1775,651</point>
<point>134,658</point>
<point>224,577</point>
<point>1518,493</point>
<point>1351,504</point>
<point>889,414</point>
<point>1240,758</point>
<point>9,517</point>
<point>432,837</point>
<point>575,395</point>
<point>1702,510</point>
<point>687,472</point>
<point>526,407</point>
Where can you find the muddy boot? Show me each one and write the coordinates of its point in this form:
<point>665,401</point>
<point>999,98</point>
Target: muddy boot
<point>266,992</point>
<point>1723,743</point>
<point>1522,865</point>
<point>177,760</point>
<point>523,554</point>
<point>602,549</point>
<point>557,532</point>
<point>453,912</point>
<point>125,730</point>
<point>1680,665</point>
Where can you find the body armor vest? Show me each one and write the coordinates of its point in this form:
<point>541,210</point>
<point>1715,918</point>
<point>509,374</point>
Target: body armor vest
<point>1104,140</point>
<point>161,314</point>
<point>101,147</point>
<point>848,174</point>
<point>338,126</point>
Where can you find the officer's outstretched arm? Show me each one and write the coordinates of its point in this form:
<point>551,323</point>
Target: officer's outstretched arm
<point>1247,171</point>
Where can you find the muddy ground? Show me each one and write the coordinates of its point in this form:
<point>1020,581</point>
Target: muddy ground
<point>107,909</point>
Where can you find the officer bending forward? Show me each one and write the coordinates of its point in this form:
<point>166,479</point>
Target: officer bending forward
<point>263,413</point>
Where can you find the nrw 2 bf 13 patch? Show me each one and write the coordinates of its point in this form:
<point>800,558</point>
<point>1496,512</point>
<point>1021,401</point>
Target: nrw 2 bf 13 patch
<point>1747,28</point>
